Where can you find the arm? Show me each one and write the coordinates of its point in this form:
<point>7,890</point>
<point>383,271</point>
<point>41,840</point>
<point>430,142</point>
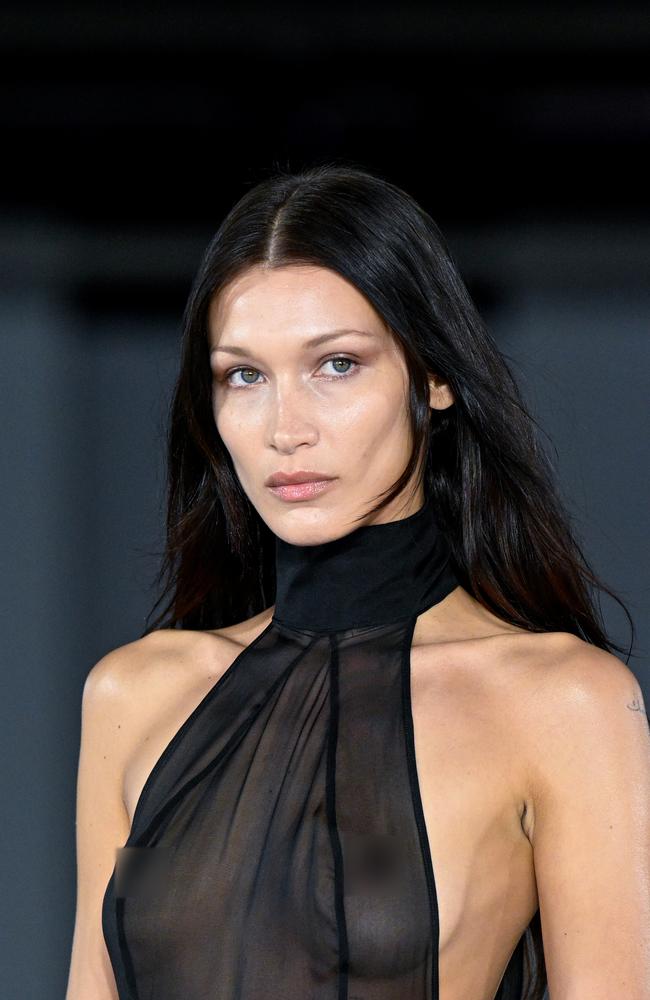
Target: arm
<point>590,786</point>
<point>102,820</point>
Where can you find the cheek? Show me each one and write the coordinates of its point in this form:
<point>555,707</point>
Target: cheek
<point>229,427</point>
<point>373,427</point>
<point>239,446</point>
<point>242,435</point>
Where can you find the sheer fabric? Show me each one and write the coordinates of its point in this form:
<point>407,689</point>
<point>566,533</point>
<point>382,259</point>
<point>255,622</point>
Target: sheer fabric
<point>279,849</point>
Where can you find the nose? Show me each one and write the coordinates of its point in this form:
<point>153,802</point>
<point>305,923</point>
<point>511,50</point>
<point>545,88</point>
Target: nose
<point>290,422</point>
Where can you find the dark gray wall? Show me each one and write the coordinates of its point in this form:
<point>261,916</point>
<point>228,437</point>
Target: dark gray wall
<point>583,356</point>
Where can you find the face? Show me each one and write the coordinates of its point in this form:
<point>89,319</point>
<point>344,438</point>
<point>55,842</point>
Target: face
<point>337,408</point>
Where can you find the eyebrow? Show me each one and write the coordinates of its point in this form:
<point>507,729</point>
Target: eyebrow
<point>312,342</point>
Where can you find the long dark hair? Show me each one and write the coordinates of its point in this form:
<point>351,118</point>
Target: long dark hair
<point>495,493</point>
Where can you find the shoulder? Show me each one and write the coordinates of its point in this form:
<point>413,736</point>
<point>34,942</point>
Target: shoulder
<point>130,686</point>
<point>566,674</point>
<point>587,751</point>
<point>134,683</point>
<point>583,713</point>
<point>559,668</point>
<point>115,675</point>
<point>565,679</point>
<point>163,650</point>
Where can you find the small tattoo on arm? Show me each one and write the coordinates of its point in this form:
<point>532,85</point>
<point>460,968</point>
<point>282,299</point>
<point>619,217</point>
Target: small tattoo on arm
<point>636,705</point>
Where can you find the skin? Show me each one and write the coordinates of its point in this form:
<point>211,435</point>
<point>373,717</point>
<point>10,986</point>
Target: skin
<point>293,409</point>
<point>300,410</point>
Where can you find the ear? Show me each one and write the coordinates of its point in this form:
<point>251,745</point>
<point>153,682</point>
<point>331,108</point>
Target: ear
<point>440,395</point>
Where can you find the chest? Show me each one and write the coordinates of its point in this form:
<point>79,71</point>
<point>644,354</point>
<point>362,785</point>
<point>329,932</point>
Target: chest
<point>467,769</point>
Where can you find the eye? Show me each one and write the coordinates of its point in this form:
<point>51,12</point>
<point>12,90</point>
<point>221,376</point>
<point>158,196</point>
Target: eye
<point>346,361</point>
<point>246,371</point>
<point>233,371</point>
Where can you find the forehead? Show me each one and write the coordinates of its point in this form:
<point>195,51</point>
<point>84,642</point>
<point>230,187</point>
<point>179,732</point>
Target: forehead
<point>304,297</point>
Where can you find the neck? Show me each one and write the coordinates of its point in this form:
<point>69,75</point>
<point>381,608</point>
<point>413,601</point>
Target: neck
<point>375,575</point>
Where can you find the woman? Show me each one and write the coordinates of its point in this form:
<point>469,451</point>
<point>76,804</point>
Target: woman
<point>376,750</point>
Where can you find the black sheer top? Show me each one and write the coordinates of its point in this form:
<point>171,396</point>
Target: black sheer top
<point>278,850</point>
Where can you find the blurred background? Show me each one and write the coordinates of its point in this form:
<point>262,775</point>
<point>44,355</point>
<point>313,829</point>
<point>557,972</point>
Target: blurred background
<point>128,134</point>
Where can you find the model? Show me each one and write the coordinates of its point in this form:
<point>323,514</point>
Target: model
<point>375,743</point>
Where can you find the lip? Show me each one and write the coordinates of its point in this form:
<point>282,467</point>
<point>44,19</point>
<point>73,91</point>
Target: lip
<point>301,491</point>
<point>300,476</point>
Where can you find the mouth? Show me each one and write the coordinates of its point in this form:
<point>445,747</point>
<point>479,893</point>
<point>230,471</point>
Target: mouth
<point>301,491</point>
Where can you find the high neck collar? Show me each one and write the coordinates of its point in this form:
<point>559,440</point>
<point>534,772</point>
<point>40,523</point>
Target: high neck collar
<point>375,575</point>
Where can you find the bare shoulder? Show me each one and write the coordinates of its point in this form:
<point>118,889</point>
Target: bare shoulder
<point>554,666</point>
<point>564,673</point>
<point>134,698</point>
<point>146,689</point>
<point>153,678</point>
<point>165,656</point>
<point>576,701</point>
<point>164,653</point>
